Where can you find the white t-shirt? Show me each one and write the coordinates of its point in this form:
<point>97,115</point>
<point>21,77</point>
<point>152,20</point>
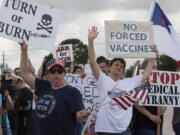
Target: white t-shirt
<point>111,118</point>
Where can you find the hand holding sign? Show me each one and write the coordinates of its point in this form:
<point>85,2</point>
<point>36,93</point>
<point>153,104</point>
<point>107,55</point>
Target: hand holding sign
<point>23,45</point>
<point>154,48</point>
<point>155,119</point>
<point>82,115</point>
<point>161,110</point>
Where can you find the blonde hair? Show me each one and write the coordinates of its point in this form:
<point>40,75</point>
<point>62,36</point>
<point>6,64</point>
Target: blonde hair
<point>18,79</point>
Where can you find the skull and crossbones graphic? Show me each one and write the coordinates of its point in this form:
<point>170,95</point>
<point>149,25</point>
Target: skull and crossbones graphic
<point>45,23</point>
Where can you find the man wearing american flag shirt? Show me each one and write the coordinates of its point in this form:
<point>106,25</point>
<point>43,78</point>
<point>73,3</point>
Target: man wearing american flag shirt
<point>112,119</point>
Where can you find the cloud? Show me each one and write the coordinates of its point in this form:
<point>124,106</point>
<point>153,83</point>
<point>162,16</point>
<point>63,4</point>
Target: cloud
<point>79,15</point>
<point>96,5</point>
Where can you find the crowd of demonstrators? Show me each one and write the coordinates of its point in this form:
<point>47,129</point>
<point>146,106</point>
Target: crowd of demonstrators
<point>149,116</point>
<point>60,106</point>
<point>111,119</point>
<point>176,112</point>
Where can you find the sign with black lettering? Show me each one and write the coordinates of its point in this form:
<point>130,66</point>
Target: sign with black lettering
<point>33,23</point>
<point>129,39</point>
<point>88,88</point>
<point>65,53</point>
<point>165,89</point>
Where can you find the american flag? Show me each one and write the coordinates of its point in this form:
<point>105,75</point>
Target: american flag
<point>138,94</point>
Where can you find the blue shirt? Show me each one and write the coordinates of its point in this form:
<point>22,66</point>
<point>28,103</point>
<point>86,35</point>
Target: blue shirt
<point>4,121</point>
<point>55,110</point>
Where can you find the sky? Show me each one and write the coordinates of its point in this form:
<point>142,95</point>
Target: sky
<point>77,16</point>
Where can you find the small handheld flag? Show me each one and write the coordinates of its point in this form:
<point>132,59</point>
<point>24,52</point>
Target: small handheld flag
<point>138,94</point>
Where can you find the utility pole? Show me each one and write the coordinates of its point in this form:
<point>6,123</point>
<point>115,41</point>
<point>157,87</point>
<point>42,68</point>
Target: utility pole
<point>3,61</point>
<point>2,66</point>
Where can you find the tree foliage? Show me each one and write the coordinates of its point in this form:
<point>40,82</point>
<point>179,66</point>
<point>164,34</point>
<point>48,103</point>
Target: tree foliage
<point>166,63</point>
<point>129,71</point>
<point>49,56</point>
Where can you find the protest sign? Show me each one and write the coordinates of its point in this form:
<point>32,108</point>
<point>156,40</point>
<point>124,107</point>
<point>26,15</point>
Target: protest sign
<point>165,89</point>
<point>33,23</point>
<point>129,39</point>
<point>88,88</point>
<point>65,53</point>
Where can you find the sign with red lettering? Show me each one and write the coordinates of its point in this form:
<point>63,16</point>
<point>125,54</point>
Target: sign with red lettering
<point>165,89</point>
<point>129,39</point>
<point>65,53</point>
<point>23,20</point>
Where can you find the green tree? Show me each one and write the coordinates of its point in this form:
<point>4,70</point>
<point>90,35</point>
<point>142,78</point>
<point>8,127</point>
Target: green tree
<point>129,71</point>
<point>80,50</point>
<point>49,56</point>
<point>166,63</point>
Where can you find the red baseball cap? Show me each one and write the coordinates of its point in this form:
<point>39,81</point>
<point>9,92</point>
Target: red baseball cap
<point>54,62</point>
<point>177,64</point>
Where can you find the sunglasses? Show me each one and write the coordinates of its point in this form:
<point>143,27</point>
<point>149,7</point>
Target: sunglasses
<point>58,71</point>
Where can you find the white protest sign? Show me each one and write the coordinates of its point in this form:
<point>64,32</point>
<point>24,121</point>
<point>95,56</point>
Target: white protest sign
<point>33,23</point>
<point>65,53</point>
<point>88,88</point>
<point>165,89</point>
<point>129,39</point>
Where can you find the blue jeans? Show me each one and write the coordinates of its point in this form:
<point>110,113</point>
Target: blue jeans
<point>6,131</point>
<point>127,132</point>
<point>176,128</point>
<point>79,129</point>
<point>145,132</point>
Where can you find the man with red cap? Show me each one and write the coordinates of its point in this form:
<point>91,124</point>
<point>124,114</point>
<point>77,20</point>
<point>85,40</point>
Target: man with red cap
<point>59,107</point>
<point>176,114</point>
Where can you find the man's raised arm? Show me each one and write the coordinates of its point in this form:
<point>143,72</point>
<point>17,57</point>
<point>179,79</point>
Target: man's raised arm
<point>91,52</point>
<point>26,74</point>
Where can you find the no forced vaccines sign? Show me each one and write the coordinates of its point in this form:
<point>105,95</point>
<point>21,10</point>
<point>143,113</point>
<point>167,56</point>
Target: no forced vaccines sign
<point>129,39</point>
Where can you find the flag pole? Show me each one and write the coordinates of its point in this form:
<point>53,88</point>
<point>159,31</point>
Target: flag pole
<point>158,125</point>
<point>158,114</point>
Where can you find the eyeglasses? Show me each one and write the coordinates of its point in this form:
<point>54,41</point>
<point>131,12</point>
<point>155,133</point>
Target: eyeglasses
<point>58,71</point>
